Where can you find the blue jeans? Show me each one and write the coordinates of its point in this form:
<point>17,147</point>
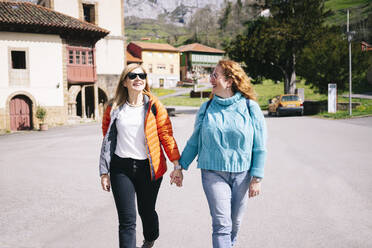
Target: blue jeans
<point>227,196</point>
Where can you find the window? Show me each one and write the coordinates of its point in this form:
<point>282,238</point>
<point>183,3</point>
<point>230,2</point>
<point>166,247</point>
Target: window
<point>18,59</point>
<point>90,57</point>
<point>172,69</point>
<point>150,68</point>
<point>45,3</point>
<point>89,13</point>
<point>70,57</point>
<point>18,67</point>
<point>77,57</point>
<point>82,56</point>
<point>290,98</point>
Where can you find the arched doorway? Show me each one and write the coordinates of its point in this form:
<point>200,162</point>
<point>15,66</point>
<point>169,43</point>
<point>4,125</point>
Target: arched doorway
<point>20,111</point>
<point>89,101</point>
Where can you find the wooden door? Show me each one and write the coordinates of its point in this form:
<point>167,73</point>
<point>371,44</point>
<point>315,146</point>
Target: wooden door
<point>20,113</point>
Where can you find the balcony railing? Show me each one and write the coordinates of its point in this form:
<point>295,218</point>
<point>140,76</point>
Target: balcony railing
<point>81,64</point>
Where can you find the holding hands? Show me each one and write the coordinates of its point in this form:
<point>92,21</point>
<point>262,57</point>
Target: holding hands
<point>176,175</point>
<point>254,187</point>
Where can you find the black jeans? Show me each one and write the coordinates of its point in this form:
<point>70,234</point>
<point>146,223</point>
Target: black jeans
<point>131,177</point>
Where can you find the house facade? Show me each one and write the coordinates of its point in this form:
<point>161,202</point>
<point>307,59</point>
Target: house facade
<point>86,98</point>
<point>198,59</point>
<point>161,61</point>
<point>42,53</point>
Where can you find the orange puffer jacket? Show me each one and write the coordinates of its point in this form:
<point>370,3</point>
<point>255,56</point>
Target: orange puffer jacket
<point>158,131</point>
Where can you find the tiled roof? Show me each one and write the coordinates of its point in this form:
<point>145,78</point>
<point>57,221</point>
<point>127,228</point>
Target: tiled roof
<point>155,46</point>
<point>196,47</point>
<point>131,58</point>
<point>24,16</point>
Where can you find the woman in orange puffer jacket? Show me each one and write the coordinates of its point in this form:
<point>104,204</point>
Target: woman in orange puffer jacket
<point>132,162</point>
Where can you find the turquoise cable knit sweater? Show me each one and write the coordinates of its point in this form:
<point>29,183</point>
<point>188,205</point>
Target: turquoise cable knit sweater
<point>229,137</point>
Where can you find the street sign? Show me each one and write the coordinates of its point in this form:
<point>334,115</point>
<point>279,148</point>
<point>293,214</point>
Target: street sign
<point>332,98</point>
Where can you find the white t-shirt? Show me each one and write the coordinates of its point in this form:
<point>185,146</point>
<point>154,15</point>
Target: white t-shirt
<point>131,133</point>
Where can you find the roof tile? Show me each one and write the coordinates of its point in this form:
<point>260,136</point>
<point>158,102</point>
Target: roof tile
<point>26,14</point>
<point>196,47</point>
<point>155,46</point>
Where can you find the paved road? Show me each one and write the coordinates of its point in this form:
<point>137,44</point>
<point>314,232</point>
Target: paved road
<point>317,190</point>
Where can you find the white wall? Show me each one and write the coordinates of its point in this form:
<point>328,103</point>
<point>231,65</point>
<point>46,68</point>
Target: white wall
<point>110,56</point>
<point>110,50</point>
<point>45,67</point>
<point>110,16</point>
<point>68,7</point>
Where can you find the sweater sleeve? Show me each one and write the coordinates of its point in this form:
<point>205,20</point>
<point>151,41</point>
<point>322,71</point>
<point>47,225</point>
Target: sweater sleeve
<point>259,150</point>
<point>191,150</point>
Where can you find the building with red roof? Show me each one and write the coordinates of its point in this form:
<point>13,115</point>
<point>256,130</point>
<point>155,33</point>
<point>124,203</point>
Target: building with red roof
<point>161,61</point>
<point>198,59</point>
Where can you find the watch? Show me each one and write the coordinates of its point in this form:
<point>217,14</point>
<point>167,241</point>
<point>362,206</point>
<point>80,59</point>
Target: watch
<point>177,167</point>
<point>256,179</point>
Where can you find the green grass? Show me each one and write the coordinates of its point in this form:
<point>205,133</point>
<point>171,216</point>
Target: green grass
<point>344,4</point>
<point>268,90</point>
<point>183,100</point>
<point>161,92</point>
<point>359,10</point>
<point>365,109</point>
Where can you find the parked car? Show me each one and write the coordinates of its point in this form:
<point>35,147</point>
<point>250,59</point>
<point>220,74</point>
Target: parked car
<point>286,104</point>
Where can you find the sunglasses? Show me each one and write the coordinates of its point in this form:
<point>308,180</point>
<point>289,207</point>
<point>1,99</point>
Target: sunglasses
<point>214,75</point>
<point>133,76</point>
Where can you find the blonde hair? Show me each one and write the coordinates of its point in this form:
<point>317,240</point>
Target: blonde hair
<point>121,93</point>
<point>241,81</point>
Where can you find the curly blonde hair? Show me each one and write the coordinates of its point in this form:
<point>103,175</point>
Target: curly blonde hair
<point>241,81</point>
<point>121,92</point>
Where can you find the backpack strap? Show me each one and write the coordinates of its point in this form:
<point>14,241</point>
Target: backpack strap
<point>205,111</point>
<point>249,109</point>
<point>154,110</point>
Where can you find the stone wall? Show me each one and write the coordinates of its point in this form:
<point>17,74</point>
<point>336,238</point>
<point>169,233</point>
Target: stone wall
<point>108,83</point>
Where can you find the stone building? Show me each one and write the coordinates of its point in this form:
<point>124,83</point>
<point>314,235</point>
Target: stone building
<point>44,54</point>
<point>87,97</point>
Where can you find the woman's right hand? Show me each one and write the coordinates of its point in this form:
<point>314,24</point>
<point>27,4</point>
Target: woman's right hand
<point>176,177</point>
<point>105,182</point>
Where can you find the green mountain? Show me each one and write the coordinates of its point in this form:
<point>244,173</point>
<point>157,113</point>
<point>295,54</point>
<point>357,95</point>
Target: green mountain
<point>359,10</point>
<point>162,31</point>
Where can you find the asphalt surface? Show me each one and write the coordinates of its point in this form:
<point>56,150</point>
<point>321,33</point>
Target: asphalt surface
<point>317,190</point>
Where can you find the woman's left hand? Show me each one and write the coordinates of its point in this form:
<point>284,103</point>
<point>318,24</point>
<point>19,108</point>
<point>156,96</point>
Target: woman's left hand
<point>254,188</point>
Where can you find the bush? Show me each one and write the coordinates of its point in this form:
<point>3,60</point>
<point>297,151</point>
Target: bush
<point>41,113</point>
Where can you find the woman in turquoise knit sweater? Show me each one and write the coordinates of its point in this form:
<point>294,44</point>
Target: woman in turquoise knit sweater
<point>230,140</point>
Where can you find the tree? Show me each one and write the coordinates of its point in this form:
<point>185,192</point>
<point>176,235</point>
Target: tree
<point>203,26</point>
<point>277,41</point>
<point>327,61</point>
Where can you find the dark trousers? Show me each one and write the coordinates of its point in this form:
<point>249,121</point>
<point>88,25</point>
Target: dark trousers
<point>131,178</point>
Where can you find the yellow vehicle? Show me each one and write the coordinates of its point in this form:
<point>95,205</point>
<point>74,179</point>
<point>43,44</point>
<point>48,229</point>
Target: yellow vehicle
<point>286,104</point>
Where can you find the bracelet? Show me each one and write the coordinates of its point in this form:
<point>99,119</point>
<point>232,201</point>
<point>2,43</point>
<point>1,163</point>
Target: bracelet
<point>256,179</point>
<point>177,167</point>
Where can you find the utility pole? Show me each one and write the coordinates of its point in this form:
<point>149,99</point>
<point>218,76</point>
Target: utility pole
<point>349,39</point>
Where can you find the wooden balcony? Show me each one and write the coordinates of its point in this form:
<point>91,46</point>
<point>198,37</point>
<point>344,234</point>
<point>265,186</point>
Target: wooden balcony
<point>81,73</point>
<point>81,66</point>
